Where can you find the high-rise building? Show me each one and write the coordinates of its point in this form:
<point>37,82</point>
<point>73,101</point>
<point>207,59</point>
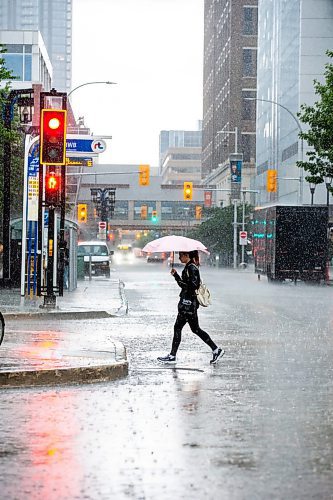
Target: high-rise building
<point>53,18</point>
<point>180,156</point>
<point>230,71</point>
<point>292,40</point>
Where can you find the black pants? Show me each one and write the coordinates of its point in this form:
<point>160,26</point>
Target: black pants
<point>194,325</point>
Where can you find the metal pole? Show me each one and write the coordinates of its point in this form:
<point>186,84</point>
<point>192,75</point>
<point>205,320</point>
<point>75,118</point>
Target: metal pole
<point>243,226</point>
<point>235,234</point>
<point>236,140</point>
<point>7,160</point>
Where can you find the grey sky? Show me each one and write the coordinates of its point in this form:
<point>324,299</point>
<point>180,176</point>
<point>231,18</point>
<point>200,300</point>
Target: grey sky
<point>153,49</point>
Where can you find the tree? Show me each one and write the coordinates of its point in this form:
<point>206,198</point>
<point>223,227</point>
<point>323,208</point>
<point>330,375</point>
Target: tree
<point>15,138</point>
<point>319,136</point>
<point>217,232</point>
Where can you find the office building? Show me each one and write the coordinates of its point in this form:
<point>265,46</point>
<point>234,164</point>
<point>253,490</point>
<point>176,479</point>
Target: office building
<point>54,21</point>
<point>230,71</point>
<point>180,156</point>
<point>27,58</point>
<point>292,40</point>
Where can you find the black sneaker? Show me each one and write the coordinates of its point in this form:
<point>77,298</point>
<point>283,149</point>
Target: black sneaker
<point>167,359</point>
<point>217,355</point>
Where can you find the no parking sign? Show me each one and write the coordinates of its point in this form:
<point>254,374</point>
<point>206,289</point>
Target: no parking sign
<point>243,237</point>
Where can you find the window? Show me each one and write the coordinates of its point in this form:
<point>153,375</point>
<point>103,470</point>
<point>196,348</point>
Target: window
<point>249,147</point>
<point>250,21</point>
<point>248,105</point>
<point>250,62</point>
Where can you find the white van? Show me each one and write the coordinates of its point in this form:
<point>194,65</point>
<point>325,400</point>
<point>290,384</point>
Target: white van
<point>100,257</point>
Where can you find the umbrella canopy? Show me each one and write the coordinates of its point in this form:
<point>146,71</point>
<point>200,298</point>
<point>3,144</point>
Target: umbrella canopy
<point>174,244</point>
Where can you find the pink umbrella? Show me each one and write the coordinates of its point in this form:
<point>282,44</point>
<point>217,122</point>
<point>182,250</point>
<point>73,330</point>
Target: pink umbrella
<point>174,244</point>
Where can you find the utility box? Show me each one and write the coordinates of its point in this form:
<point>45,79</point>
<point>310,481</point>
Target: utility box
<point>290,242</point>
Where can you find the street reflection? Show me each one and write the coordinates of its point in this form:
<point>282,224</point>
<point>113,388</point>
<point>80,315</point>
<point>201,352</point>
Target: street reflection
<point>51,447</point>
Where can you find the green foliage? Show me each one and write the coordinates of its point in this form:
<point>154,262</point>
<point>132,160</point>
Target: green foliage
<point>217,232</point>
<point>16,140</point>
<point>319,136</point>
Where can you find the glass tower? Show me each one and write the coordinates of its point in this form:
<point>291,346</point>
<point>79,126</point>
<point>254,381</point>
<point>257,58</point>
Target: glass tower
<point>53,18</point>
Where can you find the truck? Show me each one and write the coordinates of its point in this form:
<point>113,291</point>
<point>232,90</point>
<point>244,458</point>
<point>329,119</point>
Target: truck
<point>290,242</point>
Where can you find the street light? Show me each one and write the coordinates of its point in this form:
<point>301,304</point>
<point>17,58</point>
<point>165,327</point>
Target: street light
<point>328,182</point>
<point>300,129</point>
<point>312,186</point>
<point>231,132</point>
<point>89,83</point>
<point>235,200</point>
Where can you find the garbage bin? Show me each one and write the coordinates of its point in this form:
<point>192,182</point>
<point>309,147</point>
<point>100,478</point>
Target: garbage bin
<point>80,267</point>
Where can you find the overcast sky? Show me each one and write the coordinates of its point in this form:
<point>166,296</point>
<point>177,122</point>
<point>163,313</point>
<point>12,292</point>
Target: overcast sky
<point>153,49</point>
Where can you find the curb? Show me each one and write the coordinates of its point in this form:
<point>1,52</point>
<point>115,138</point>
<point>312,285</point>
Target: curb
<point>77,375</point>
<point>60,315</point>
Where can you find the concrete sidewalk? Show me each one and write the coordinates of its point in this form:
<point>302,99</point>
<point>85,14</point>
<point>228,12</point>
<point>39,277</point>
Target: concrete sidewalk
<point>55,356</point>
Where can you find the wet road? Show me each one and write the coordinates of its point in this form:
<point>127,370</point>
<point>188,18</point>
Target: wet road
<point>258,425</point>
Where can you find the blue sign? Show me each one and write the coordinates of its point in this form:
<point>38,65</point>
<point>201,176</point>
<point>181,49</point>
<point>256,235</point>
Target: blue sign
<point>33,161</point>
<point>85,146</point>
<point>236,170</point>
<point>46,218</point>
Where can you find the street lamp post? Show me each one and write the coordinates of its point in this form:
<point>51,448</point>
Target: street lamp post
<point>328,182</point>
<point>302,142</point>
<point>235,200</point>
<point>312,186</point>
<point>231,132</point>
<point>90,83</point>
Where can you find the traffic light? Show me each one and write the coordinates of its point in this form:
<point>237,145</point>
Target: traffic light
<point>188,188</point>
<point>271,184</point>
<point>52,188</point>
<point>53,136</point>
<point>144,175</point>
<point>198,212</point>
<point>82,212</point>
<point>154,216</point>
<point>144,212</point>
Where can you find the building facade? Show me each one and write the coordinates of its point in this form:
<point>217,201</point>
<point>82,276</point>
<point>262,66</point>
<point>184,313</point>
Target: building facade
<point>27,58</point>
<point>230,71</point>
<point>292,40</point>
<point>54,20</point>
<point>173,212</point>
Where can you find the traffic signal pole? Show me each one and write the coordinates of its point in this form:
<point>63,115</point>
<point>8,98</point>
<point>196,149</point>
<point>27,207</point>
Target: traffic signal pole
<point>52,160</point>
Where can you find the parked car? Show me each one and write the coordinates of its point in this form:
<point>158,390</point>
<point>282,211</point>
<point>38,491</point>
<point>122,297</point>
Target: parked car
<point>100,257</point>
<point>156,257</point>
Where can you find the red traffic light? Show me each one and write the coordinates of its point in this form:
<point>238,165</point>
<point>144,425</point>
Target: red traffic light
<point>53,136</point>
<point>52,188</point>
<point>52,182</point>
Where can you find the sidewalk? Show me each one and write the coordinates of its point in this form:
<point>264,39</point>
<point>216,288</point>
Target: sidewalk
<point>53,357</point>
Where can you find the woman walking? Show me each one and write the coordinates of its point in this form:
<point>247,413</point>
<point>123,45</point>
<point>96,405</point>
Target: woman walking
<point>188,305</point>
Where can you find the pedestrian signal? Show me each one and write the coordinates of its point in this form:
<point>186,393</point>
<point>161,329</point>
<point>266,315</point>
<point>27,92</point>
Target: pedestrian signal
<point>188,187</point>
<point>198,212</point>
<point>154,216</point>
<point>52,188</point>
<point>271,184</point>
<point>53,136</point>
<point>82,212</point>
<point>144,175</point>
<point>144,211</point>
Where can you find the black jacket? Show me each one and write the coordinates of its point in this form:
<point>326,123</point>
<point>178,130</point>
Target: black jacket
<point>189,282</point>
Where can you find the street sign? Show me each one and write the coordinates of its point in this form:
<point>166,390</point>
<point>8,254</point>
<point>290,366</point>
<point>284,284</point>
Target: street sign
<point>243,237</point>
<point>84,144</point>
<point>102,225</point>
<point>79,161</point>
